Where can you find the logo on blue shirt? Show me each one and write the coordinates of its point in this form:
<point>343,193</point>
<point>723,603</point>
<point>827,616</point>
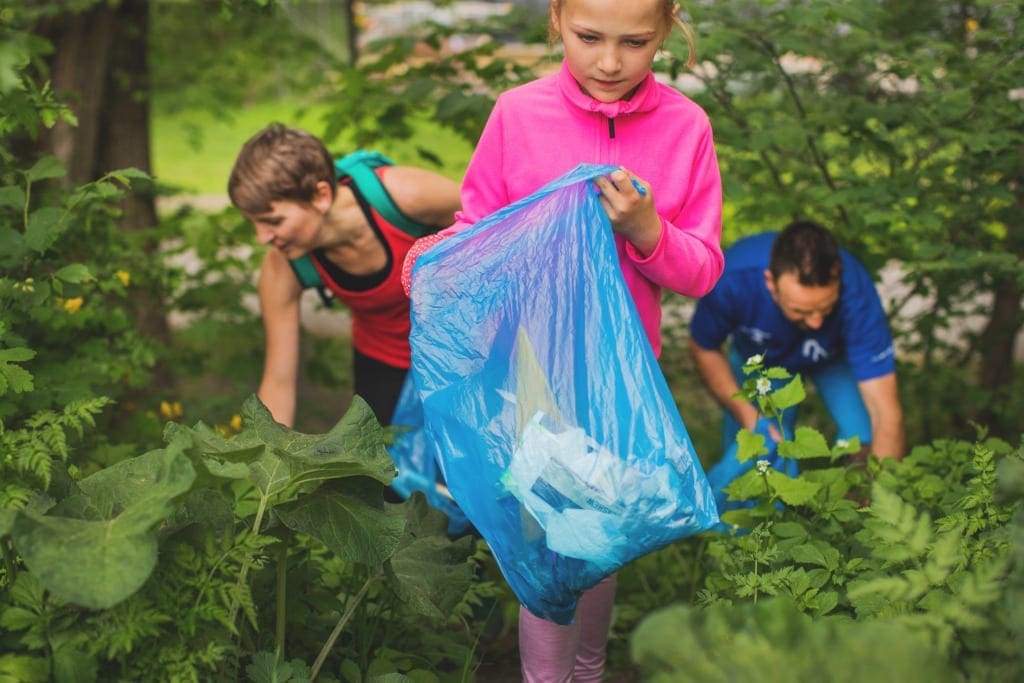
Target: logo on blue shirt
<point>814,351</point>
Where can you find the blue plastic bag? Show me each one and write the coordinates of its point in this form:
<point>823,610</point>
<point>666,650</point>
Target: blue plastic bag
<point>555,428</point>
<point>416,461</point>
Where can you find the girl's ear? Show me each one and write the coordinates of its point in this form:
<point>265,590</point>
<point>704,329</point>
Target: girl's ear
<point>323,197</point>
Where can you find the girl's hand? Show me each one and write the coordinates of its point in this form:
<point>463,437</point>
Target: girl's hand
<point>629,202</point>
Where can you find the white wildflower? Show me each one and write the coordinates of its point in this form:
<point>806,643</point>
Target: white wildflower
<point>763,467</point>
<point>764,385</point>
<point>843,443</point>
<point>756,359</point>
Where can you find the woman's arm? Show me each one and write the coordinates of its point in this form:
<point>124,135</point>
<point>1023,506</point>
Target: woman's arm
<point>280,295</point>
<point>425,196</point>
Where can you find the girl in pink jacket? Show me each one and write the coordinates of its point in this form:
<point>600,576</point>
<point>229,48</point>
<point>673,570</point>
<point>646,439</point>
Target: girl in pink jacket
<point>665,205</point>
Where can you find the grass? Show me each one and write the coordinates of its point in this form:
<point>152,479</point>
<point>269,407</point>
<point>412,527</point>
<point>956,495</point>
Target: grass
<point>193,151</point>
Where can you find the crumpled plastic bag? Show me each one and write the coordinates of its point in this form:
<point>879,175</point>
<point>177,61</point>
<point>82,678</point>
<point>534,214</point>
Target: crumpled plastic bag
<point>416,461</point>
<point>554,427</point>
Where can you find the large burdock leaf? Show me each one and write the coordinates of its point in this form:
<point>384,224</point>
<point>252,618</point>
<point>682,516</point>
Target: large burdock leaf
<point>99,546</point>
<point>354,447</point>
<point>350,520</point>
<point>429,571</point>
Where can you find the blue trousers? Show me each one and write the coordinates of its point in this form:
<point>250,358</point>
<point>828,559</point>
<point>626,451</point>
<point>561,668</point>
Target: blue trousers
<point>837,387</point>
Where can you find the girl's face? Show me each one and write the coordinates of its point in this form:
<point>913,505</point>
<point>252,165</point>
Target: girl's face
<point>609,44</point>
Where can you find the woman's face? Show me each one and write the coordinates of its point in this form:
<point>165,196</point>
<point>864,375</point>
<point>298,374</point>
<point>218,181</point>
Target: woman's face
<point>609,44</point>
<point>289,226</point>
<point>293,227</point>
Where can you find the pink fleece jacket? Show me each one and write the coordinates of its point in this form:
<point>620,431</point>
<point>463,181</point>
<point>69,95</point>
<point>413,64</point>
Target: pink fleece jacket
<point>540,130</point>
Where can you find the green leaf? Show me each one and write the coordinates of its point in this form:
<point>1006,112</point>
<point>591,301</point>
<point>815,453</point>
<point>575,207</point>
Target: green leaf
<point>45,168</point>
<point>747,486</point>
<point>354,447</point>
<point>12,197</point>
<point>44,227</point>
<point>24,669</point>
<point>125,175</point>
<point>789,530</point>
<point>92,564</point>
<point>138,489</point>
<point>429,571</point>
<point>74,665</point>
<point>99,561</point>
<point>751,445</point>
<point>6,521</point>
<point>818,552</point>
<point>792,491</point>
<point>807,443</point>
<point>76,272</point>
<point>789,395</point>
<point>13,377</point>
<point>349,519</point>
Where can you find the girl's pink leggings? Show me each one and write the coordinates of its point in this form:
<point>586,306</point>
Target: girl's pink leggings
<point>550,653</point>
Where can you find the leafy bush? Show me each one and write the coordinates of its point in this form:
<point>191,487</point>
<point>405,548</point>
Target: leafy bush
<point>167,564</point>
<point>923,552</point>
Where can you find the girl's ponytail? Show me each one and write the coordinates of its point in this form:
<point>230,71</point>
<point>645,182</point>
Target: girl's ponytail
<point>672,14</point>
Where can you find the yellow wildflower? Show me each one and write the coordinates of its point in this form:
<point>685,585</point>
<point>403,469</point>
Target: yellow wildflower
<point>236,422</point>
<point>971,25</point>
<point>72,305</point>
<point>171,411</point>
<point>124,276</point>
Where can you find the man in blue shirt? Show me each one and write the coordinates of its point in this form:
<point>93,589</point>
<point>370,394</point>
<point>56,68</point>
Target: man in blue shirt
<point>812,308</point>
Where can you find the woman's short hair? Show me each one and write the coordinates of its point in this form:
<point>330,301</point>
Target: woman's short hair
<point>279,164</point>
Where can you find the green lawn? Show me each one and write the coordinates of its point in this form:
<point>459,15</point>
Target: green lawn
<point>194,151</point>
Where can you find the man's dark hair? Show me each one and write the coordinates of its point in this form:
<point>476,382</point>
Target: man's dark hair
<point>810,251</point>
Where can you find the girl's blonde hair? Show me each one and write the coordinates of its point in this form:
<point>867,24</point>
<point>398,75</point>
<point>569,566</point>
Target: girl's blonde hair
<point>669,8</point>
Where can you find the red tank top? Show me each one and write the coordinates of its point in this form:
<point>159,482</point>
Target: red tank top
<point>380,315</point>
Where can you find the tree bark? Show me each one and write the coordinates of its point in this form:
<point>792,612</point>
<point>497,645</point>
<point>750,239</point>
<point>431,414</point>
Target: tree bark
<point>998,360</point>
<point>100,67</point>
<point>352,32</point>
<point>82,42</point>
<point>124,143</point>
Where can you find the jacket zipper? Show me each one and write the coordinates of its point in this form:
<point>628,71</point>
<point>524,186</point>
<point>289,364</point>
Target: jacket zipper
<point>611,128</point>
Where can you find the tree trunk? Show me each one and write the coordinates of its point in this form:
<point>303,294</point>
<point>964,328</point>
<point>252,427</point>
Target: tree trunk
<point>352,32</point>
<point>124,142</point>
<point>998,361</point>
<point>100,67</point>
<point>78,70</point>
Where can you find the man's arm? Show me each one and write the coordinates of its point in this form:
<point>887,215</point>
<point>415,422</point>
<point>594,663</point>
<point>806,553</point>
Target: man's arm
<point>881,398</point>
<point>280,295</point>
<point>716,372</point>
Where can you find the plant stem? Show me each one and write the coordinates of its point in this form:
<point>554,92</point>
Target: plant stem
<point>282,603</point>
<point>244,572</point>
<point>10,567</point>
<point>353,603</point>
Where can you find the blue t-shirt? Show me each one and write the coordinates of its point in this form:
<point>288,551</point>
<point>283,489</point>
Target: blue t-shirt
<point>741,305</point>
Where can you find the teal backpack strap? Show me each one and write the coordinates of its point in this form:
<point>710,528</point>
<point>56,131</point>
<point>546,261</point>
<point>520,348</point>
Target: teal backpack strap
<point>359,166</point>
<point>309,276</point>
